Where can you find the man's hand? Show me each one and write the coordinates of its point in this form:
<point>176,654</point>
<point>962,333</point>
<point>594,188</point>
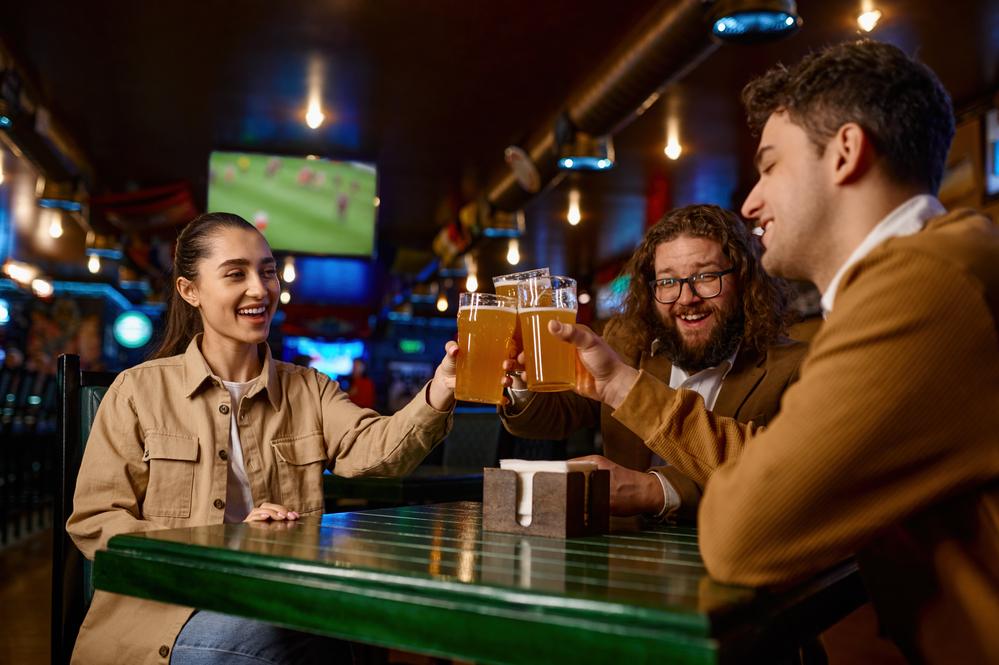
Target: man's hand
<point>600,372</point>
<point>631,492</point>
<point>441,393</point>
<point>267,512</point>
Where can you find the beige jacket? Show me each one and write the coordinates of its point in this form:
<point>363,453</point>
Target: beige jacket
<point>157,458</point>
<point>886,448</point>
<point>751,392</point>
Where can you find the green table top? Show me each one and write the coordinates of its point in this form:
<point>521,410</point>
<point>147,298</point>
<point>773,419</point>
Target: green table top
<point>428,579</point>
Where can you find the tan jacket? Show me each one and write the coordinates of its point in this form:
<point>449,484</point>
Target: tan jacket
<point>886,448</point>
<point>751,392</point>
<point>156,458</point>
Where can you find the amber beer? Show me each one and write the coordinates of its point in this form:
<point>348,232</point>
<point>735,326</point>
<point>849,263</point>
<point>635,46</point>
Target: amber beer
<point>550,363</point>
<point>485,326</point>
<point>506,285</point>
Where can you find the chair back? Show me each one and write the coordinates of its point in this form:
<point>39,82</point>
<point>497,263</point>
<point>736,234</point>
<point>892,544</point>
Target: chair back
<point>80,394</point>
<point>474,438</point>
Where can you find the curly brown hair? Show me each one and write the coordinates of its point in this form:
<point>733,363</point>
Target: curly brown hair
<point>900,103</point>
<point>764,298</point>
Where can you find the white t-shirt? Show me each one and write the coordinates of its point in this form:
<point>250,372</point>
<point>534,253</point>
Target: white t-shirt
<point>238,498</point>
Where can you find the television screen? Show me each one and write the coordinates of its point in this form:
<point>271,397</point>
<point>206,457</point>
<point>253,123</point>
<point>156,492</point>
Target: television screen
<point>304,206</point>
<point>331,358</point>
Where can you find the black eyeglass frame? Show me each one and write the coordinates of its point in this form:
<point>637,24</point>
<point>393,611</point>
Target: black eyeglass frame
<point>689,281</point>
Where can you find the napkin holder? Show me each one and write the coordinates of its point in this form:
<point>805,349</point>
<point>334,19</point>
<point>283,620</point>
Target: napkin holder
<point>558,503</point>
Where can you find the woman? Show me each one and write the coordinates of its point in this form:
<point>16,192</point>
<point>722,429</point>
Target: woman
<point>214,430</point>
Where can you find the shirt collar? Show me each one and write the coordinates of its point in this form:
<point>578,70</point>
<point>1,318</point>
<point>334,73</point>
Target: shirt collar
<point>905,220</point>
<point>197,373</point>
<point>723,368</point>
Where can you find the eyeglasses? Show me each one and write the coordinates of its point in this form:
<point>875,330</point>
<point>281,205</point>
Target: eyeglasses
<point>703,285</point>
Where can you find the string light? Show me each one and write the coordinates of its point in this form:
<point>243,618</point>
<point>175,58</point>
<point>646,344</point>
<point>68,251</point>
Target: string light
<point>94,264</point>
<point>42,288</point>
<point>573,216</point>
<point>513,252</point>
<point>442,302</point>
<point>285,297</point>
<point>673,149</point>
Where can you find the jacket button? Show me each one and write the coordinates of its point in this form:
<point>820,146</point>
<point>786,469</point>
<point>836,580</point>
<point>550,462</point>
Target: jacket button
<point>219,503</point>
<point>164,650</point>
<point>223,454</point>
<point>223,409</point>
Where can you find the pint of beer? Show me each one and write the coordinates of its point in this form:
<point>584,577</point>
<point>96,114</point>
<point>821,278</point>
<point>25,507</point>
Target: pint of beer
<point>550,362</point>
<point>506,285</point>
<point>485,326</point>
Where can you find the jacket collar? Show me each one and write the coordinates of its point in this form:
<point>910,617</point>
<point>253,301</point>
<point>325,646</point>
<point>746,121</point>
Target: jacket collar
<point>197,373</point>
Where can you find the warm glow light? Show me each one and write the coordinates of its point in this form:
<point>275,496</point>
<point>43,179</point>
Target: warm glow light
<point>314,115</point>
<point>513,252</point>
<point>442,302</point>
<point>42,288</point>
<point>673,149</point>
<point>472,283</point>
<point>94,264</point>
<point>584,298</point>
<point>869,20</point>
<point>22,273</point>
<point>573,216</point>
<point>55,226</point>
<point>289,270</point>
<point>285,297</point>
<point>378,201</point>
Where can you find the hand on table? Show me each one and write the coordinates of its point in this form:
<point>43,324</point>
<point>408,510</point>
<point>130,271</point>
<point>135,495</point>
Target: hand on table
<point>631,492</point>
<point>267,512</point>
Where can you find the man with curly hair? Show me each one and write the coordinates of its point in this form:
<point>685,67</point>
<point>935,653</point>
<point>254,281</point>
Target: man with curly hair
<point>886,447</point>
<point>700,314</point>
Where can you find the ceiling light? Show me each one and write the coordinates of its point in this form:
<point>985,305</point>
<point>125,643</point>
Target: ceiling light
<point>20,272</point>
<point>513,252</point>
<point>55,226</point>
<point>472,283</point>
<point>94,264</point>
<point>288,275</point>
<point>442,302</point>
<point>673,149</point>
<point>573,216</point>
<point>314,115</point>
<point>869,20</point>
<point>750,21</point>
<point>42,287</point>
<point>584,298</point>
<point>579,151</point>
<point>285,297</point>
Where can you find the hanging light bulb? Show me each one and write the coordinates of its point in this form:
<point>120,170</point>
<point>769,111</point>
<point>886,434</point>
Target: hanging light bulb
<point>94,264</point>
<point>513,252</point>
<point>314,115</point>
<point>673,149</point>
<point>55,226</point>
<point>869,16</point>
<point>573,216</point>
<point>288,274</point>
<point>42,287</point>
<point>442,302</point>
<point>472,283</point>
<point>285,297</point>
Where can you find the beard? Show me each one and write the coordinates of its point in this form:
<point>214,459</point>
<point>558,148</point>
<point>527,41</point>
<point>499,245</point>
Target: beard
<point>691,358</point>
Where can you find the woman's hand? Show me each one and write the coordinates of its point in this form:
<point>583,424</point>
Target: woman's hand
<point>441,393</point>
<point>268,512</point>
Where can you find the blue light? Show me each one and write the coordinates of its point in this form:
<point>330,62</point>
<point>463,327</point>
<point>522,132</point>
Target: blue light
<point>132,329</point>
<point>758,23</point>
<point>585,163</point>
<point>995,158</point>
<point>4,312</point>
<point>60,204</point>
<point>5,121</point>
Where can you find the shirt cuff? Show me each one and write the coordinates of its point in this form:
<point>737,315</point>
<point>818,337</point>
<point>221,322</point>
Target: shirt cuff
<point>671,502</point>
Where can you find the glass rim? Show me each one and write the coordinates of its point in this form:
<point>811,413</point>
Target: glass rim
<point>565,282</point>
<point>514,277</point>
<point>503,302</point>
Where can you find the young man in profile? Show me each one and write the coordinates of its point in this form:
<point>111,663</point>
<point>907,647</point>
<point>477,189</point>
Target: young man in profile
<point>886,448</point>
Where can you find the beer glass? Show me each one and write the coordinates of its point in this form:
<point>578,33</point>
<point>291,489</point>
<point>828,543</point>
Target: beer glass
<point>506,285</point>
<point>485,326</point>
<point>550,362</point>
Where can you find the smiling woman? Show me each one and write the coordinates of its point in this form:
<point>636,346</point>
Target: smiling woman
<point>214,430</point>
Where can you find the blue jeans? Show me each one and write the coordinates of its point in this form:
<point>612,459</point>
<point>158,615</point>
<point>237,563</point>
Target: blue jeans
<point>209,638</point>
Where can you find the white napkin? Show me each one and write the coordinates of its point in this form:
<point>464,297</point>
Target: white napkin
<point>525,479</point>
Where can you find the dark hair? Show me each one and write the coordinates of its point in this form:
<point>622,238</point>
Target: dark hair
<point>183,321</point>
<point>900,104</point>
<point>763,298</point>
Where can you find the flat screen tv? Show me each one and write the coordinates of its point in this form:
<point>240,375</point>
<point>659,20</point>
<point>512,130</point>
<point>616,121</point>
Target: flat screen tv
<point>331,358</point>
<point>302,206</point>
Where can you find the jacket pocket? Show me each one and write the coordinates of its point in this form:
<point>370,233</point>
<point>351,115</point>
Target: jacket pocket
<point>171,459</point>
<point>301,461</point>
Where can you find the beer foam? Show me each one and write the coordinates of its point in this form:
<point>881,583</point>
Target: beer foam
<point>498,308</point>
<point>528,310</point>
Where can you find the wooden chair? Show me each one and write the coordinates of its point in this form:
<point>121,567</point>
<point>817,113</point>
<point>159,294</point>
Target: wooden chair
<point>80,394</point>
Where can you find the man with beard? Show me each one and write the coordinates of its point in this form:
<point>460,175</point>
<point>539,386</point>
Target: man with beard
<point>700,314</point>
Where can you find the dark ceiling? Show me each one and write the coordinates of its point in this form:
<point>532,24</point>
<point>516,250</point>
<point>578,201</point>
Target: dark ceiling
<point>432,92</point>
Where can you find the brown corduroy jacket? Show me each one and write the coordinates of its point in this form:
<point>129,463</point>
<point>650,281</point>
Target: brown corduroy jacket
<point>155,459</point>
<point>751,392</point>
<point>886,448</point>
